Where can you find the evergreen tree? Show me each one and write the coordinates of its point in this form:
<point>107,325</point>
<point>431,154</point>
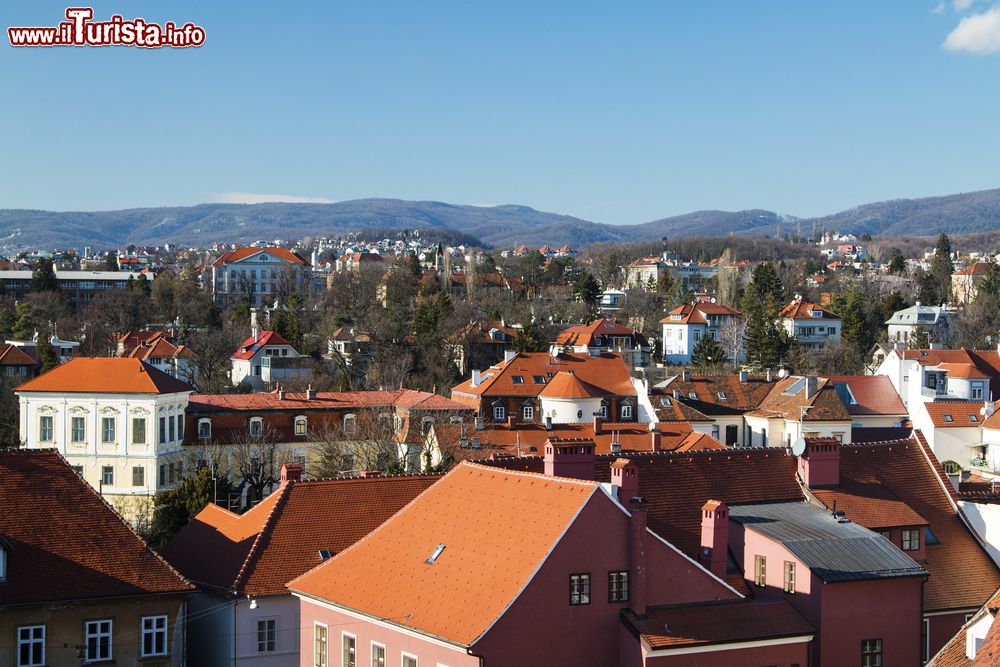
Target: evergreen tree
<point>764,341</point>
<point>679,295</point>
<point>7,322</point>
<point>587,289</point>
<point>764,283</point>
<point>989,287</point>
<point>176,507</point>
<point>46,354</point>
<point>707,353</point>
<point>920,340</point>
<point>530,338</point>
<point>24,327</point>
<point>897,263</point>
<point>941,269</point>
<point>111,261</point>
<point>43,277</point>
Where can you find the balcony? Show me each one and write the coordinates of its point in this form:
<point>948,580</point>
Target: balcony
<point>934,392</point>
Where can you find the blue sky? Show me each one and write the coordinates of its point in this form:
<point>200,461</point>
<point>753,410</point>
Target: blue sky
<point>618,114</point>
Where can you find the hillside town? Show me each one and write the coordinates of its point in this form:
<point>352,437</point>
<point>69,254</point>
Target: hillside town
<point>393,451</point>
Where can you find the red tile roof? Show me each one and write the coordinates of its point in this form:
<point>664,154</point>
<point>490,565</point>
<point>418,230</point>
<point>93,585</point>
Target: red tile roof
<point>258,552</point>
<point>65,542</point>
<point>585,334</point>
<point>955,414</point>
<point>606,371</point>
<point>739,397</point>
<point>251,346</point>
<point>102,375</point>
<point>788,400</point>
<point>984,361</point>
<point>696,313</point>
<point>799,309</point>
<point>676,485</point>
<point>719,623</point>
<point>869,504</point>
<point>474,579</point>
<point>874,394</point>
<point>160,346</point>
<point>631,436</point>
<point>243,253</point>
<point>12,355</point>
<point>974,269</point>
<point>407,399</point>
<point>566,384</point>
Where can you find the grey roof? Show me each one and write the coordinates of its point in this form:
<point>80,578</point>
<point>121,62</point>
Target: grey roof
<point>920,314</point>
<point>833,550</point>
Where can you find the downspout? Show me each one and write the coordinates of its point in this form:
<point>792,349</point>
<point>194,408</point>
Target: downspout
<point>482,659</point>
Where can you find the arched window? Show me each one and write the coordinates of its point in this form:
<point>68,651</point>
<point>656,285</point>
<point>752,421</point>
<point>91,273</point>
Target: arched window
<point>350,424</point>
<point>204,429</point>
<point>256,427</point>
<point>301,425</point>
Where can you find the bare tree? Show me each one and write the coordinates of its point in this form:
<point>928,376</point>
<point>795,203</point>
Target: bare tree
<point>731,335</point>
<point>256,461</point>
<point>366,440</point>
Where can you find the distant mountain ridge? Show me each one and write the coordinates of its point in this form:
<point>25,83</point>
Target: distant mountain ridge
<point>498,226</point>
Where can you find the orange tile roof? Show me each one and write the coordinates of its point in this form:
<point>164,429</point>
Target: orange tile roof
<point>869,504</point>
<point>959,370</point>
<point>566,384</point>
<point>101,375</point>
<point>719,623</point>
<point>67,543</point>
<point>955,414</point>
<point>799,309</point>
<point>985,361</point>
<point>974,269</point>
<point>585,334</point>
<point>739,397</point>
<point>606,371</point>
<point>258,552</point>
<point>530,438</point>
<point>874,394</point>
<point>474,579</point>
<point>695,313</point>
<point>244,252</point>
<point>160,347</point>
<point>824,405</point>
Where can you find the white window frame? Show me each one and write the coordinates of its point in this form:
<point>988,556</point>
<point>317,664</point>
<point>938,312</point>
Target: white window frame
<point>528,412</point>
<point>104,429</point>
<point>303,421</point>
<point>976,392</point>
<point>324,659</point>
<point>344,636</point>
<point>273,640</point>
<point>153,631</point>
<point>73,431</point>
<point>41,428</point>
<point>404,656</point>
<point>349,424</point>
<point>626,411</point>
<point>499,413</point>
<point>257,422</point>
<point>204,429</point>
<point>380,663</point>
<point>105,469</point>
<point>92,630</point>
<point>30,641</point>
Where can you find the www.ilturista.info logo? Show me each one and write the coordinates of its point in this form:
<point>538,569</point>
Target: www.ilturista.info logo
<point>81,30</point>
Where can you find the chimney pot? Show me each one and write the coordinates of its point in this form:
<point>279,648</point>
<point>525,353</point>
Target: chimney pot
<point>598,423</point>
<point>625,479</point>
<point>548,422</point>
<point>715,537</point>
<point>291,472</point>
<point>371,473</point>
<point>570,457</point>
<point>476,378</point>
<point>655,440</point>
<point>819,464</point>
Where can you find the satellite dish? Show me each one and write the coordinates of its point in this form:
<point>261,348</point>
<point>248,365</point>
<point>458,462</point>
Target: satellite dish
<point>799,447</point>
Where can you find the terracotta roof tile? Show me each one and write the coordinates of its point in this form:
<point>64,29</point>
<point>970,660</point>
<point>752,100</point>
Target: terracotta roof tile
<point>719,623</point>
<point>955,414</point>
<point>874,394</point>
<point>800,309</point>
<point>952,654</point>
<point>585,334</point>
<point>251,346</point>
<point>974,269</point>
<point>566,384</point>
<point>474,578</point>
<point>244,252</point>
<point>258,552</point>
<point>325,400</point>
<point>530,438</point>
<point>739,396</point>
<point>12,355</point>
<point>66,543</point>
<point>103,375</point>
<point>606,371</point>
<point>788,399</point>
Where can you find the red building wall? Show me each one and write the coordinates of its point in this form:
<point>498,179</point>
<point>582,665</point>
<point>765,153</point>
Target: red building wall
<point>598,542</point>
<point>785,655</point>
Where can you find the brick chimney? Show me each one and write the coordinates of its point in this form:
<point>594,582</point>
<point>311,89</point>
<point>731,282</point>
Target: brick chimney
<point>637,556</point>
<point>310,393</point>
<point>291,472</point>
<point>625,479</point>
<point>371,473</point>
<point>715,537</point>
<point>819,465</point>
<point>655,440</point>
<point>570,457</point>
<point>598,424</point>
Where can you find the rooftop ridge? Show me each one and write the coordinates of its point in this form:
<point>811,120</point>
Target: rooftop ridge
<point>525,473</point>
<point>381,475</point>
<point>265,528</point>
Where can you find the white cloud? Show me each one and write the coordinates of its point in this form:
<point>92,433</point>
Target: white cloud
<point>962,5</point>
<point>976,33</point>
<point>938,8</point>
<point>256,198</point>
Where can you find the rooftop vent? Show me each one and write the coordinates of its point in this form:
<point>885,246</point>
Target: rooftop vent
<point>325,554</point>
<point>435,554</point>
<point>840,516</point>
